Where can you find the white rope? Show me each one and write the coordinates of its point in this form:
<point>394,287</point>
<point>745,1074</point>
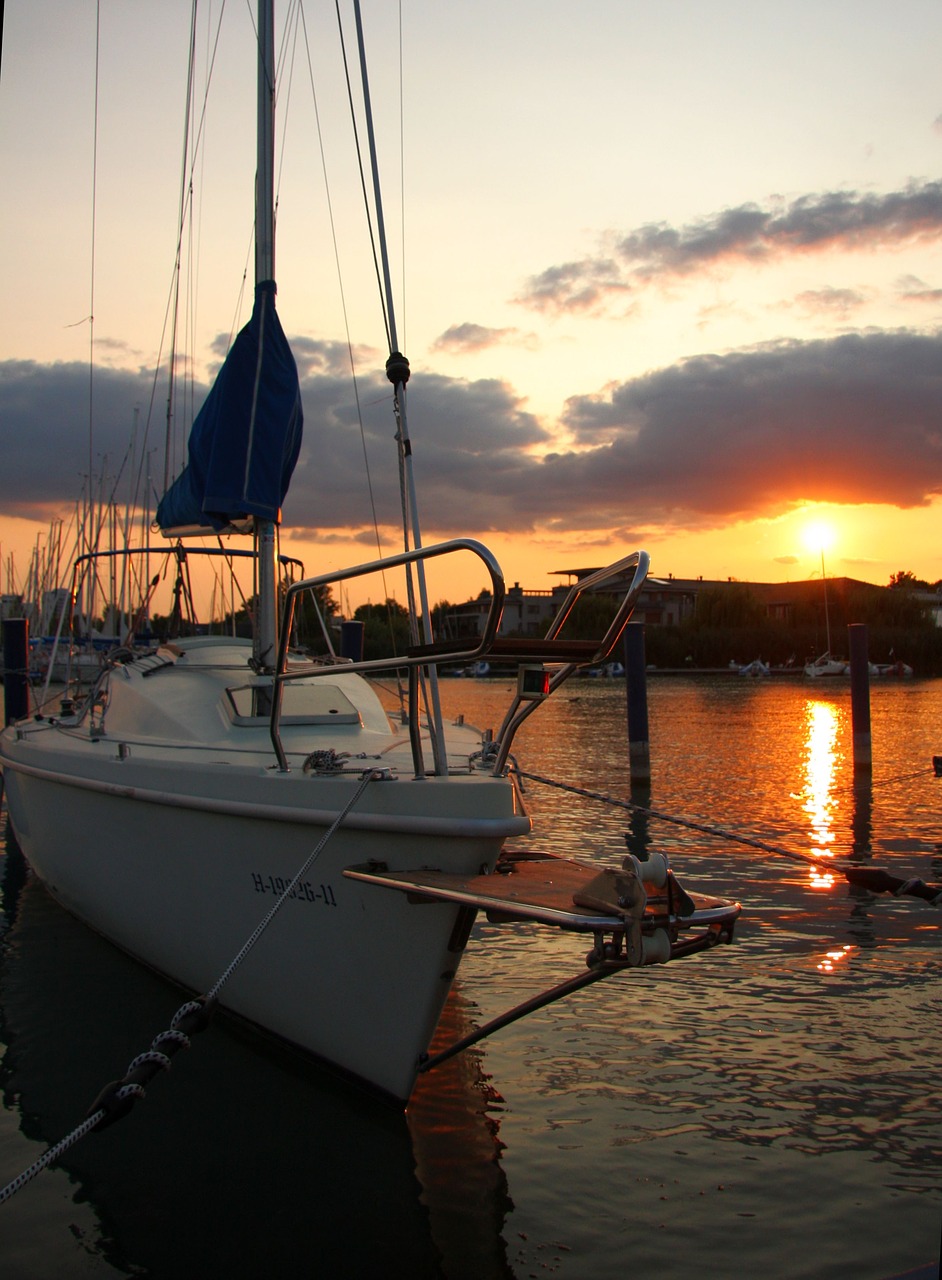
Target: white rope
<point>52,1154</point>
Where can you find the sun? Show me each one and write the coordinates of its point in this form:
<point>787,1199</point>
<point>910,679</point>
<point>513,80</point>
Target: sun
<point>818,536</point>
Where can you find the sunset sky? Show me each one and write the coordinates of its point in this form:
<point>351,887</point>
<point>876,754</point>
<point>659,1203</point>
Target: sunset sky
<point>668,275</point>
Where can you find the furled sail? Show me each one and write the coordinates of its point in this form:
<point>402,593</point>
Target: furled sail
<point>245,440</point>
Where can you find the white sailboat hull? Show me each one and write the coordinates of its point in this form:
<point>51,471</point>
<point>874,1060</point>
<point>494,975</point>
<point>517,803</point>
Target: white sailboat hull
<point>826,666</point>
<point>176,856</point>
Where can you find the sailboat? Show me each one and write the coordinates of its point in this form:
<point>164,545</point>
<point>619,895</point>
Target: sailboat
<point>255,826</point>
<point>826,664</point>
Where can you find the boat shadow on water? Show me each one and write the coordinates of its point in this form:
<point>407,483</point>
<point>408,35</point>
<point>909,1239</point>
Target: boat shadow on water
<point>246,1160</point>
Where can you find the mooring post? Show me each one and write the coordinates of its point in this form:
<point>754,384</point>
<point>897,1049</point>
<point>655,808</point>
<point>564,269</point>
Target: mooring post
<point>351,640</point>
<point>15,669</point>
<point>639,748</point>
<point>862,817</point>
<point>860,696</point>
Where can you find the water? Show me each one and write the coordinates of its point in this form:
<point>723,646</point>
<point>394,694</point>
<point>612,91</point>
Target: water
<point>768,1108</point>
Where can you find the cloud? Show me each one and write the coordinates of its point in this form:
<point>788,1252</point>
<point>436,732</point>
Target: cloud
<point>44,416</point>
<point>468,337</point>
<point>316,357</point>
<point>714,438</point>
<point>858,563</point>
<point>576,286</point>
<point>469,438</point>
<point>830,301</point>
<point>658,253</point>
<point>848,420</point>
<point>912,289</point>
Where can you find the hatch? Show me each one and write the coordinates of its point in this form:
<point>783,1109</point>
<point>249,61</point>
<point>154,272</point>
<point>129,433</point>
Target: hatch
<point>319,702</point>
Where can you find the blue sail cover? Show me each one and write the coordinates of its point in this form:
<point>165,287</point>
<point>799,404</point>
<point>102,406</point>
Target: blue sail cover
<point>245,440</point>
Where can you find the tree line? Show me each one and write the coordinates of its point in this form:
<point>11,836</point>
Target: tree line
<point>731,623</point>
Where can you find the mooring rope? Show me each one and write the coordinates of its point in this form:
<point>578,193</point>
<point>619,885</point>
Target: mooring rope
<point>117,1098</point>
<point>703,827</point>
<point>47,1158</point>
<point>906,777</point>
<point>868,876</point>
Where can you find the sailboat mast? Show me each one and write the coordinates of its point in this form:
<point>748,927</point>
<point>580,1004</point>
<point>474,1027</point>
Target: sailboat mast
<point>265,172</point>
<point>827,616</point>
<point>266,622</point>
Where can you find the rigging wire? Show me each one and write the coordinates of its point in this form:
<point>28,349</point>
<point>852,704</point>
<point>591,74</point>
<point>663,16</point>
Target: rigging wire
<point>397,371</point>
<point>351,356</point>
<point>402,181</point>
<point>184,188</point>
<point>184,212</point>
<point>290,38</point>
<point>89,527</point>
<point>362,173</point>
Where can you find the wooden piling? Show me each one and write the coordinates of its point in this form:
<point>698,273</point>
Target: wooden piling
<point>857,639</point>
<point>639,748</point>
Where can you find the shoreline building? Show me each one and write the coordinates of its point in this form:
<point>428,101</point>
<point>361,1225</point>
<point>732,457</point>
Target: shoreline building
<point>669,601</point>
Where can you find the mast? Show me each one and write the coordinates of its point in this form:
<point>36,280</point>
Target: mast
<point>265,644</point>
<point>827,616</point>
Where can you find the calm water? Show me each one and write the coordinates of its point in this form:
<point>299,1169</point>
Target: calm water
<point>770,1108</point>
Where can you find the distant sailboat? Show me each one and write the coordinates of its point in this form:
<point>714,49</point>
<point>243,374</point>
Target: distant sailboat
<point>826,664</point>
<point>756,669</point>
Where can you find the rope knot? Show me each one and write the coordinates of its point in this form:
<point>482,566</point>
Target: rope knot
<point>145,1066</point>
<point>324,761</point>
<point>115,1100</point>
<point>193,1016</point>
<point>171,1041</point>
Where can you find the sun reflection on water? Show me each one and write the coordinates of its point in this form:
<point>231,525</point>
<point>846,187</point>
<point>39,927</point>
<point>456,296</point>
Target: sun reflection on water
<point>817,796</point>
<point>833,958</point>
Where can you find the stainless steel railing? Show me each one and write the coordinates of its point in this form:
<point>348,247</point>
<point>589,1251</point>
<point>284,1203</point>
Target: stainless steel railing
<point>416,657</point>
